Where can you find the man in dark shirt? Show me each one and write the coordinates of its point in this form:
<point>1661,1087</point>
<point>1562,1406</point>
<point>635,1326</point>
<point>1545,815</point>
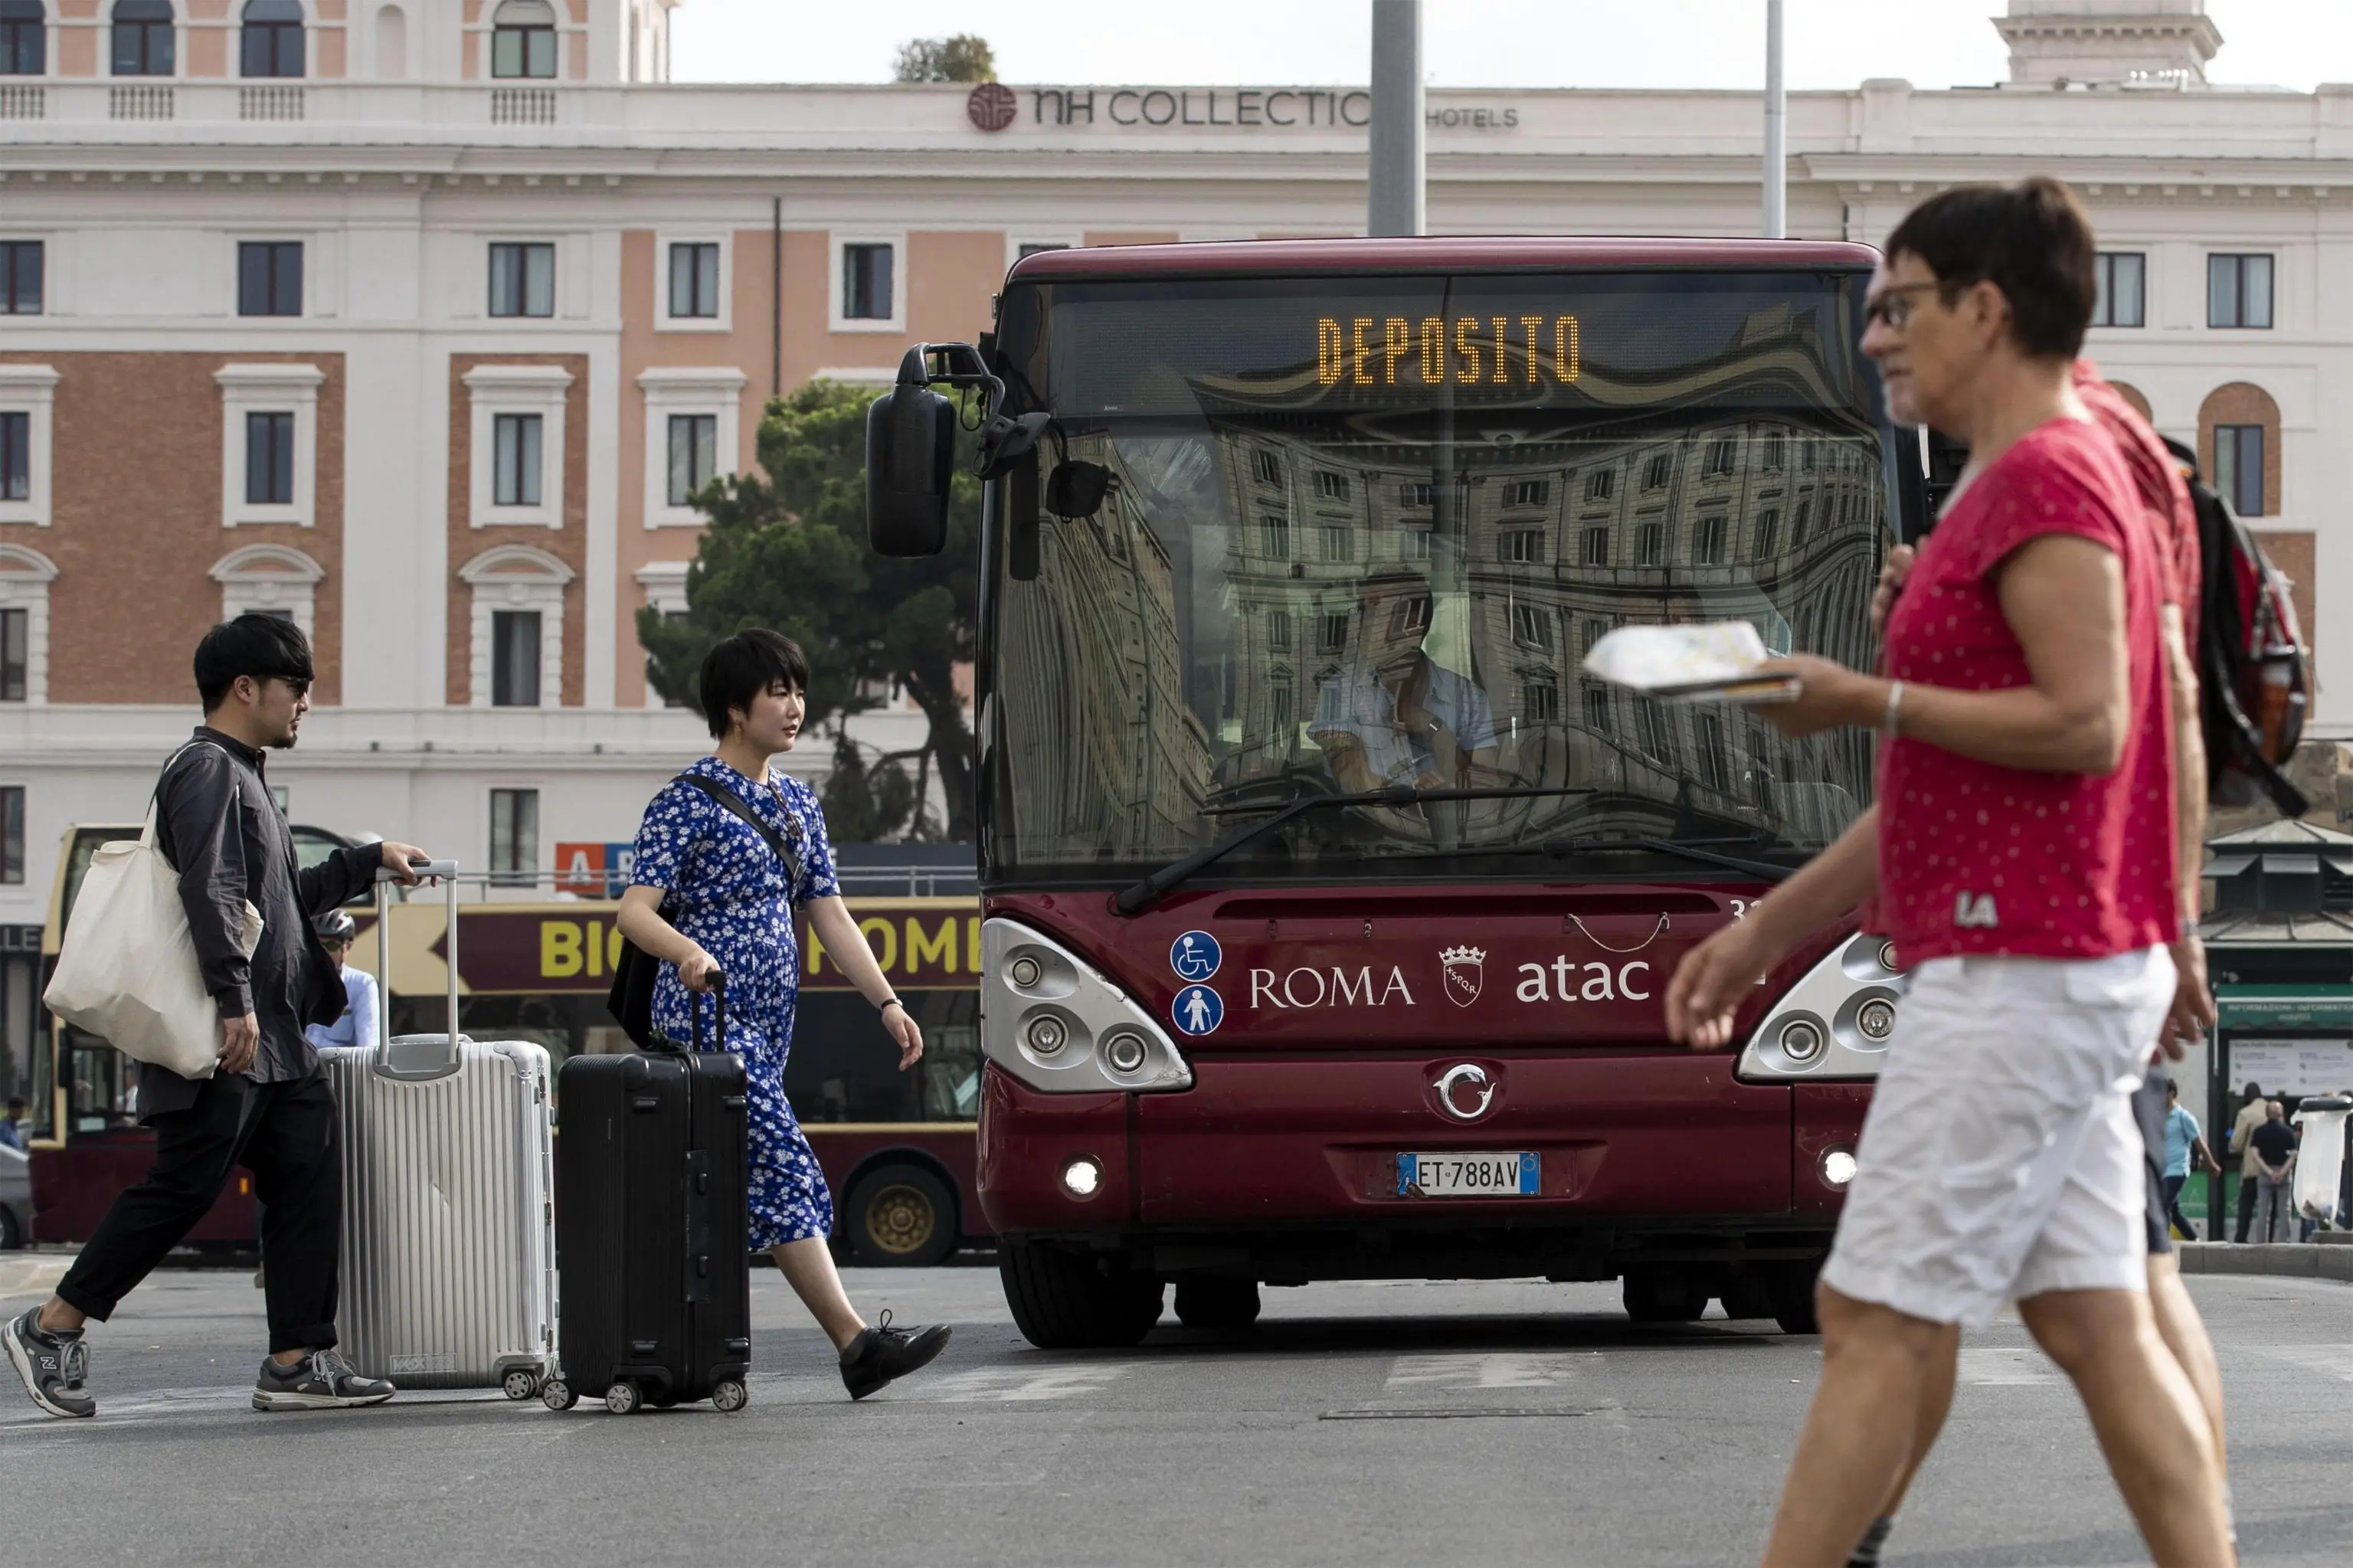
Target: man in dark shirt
<point>267,1106</point>
<point>2273,1143</point>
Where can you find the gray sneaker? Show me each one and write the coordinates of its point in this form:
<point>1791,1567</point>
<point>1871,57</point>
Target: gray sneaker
<point>319,1380</point>
<point>52,1361</point>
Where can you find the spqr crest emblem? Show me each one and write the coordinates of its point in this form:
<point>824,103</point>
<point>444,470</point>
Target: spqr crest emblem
<point>1465,970</point>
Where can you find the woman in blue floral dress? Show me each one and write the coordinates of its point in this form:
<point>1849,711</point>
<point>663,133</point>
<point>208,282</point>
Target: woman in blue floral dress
<point>709,891</point>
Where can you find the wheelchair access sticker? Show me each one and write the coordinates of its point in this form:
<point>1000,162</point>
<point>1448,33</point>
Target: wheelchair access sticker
<point>1195,956</point>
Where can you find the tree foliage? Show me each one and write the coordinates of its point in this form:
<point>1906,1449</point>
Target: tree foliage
<point>786,548</point>
<point>964,57</point>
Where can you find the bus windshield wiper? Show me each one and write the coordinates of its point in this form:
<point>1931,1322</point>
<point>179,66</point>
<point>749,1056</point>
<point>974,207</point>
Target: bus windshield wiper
<point>1148,892</point>
<point>1764,871</point>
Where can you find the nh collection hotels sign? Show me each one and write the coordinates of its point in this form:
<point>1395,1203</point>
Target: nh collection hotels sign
<point>993,106</point>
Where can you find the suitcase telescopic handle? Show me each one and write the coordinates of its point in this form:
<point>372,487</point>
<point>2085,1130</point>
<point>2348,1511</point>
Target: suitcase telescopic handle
<point>716,983</point>
<point>447,872</point>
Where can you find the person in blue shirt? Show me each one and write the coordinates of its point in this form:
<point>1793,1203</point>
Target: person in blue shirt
<point>2182,1140</point>
<point>357,1026</point>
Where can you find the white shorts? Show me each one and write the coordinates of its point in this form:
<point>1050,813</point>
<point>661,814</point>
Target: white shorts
<point>2000,1159</point>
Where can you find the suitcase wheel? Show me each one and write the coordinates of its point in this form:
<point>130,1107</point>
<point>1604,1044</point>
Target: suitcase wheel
<point>520,1383</point>
<point>622,1398</point>
<point>557,1395</point>
<point>730,1395</point>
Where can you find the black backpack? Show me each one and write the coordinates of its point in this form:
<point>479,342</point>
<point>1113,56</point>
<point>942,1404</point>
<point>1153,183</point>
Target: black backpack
<point>2254,673</point>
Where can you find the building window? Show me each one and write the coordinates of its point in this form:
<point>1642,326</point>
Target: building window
<point>1601,484</point>
<point>1539,699</point>
<point>20,277</point>
<point>866,283</point>
<point>1715,763</point>
<point>2238,290</point>
<point>1527,493</point>
<point>514,835</point>
<point>2238,467</point>
<point>1029,247</point>
<point>1418,493</point>
<point>693,455</point>
<point>1650,544</point>
<point>12,836</point>
<point>1335,630</point>
<point>1330,486</point>
<point>1658,471</point>
<point>1798,523</point>
<point>1594,550</point>
<point>24,34</point>
<point>1707,540</point>
<point>1657,730</point>
<point>15,456</point>
<point>1267,466</point>
<point>1278,631</point>
<point>1768,532</point>
<point>515,478</point>
<point>522,40</point>
<point>269,459</point>
<point>694,281</point>
<point>1338,542</point>
<point>270,277</point>
<point>1274,538</point>
<point>1723,454</point>
<point>1521,546</point>
<point>143,38</point>
<point>1278,706</point>
<point>1774,453</point>
<point>1597,708</point>
<point>1531,627</point>
<point>272,40</point>
<point>2122,299</point>
<point>523,279</point>
<point>1413,544</point>
<point>514,658</point>
<point>15,655</point>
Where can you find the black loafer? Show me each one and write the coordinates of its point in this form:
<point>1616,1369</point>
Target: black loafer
<point>882,1355</point>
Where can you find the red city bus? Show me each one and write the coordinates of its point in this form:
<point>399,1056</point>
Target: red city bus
<point>1327,904</point>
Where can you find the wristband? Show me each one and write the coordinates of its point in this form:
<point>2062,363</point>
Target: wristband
<point>888,1002</point>
<point>1891,717</point>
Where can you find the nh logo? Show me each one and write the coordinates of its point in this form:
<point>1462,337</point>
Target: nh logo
<point>1975,912</point>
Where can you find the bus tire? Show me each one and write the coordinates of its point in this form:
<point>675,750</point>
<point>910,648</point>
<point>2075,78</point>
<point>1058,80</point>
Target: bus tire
<point>1065,1300</point>
<point>900,1216</point>
<point>1664,1296</point>
<point>1793,1296</point>
<point>1215,1304</point>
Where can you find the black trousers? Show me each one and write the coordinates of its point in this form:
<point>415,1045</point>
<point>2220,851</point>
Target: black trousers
<point>287,1135</point>
<point>2246,1205</point>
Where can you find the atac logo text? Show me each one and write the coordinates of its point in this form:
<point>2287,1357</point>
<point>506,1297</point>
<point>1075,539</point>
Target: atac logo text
<point>1563,979</point>
<point>1465,971</point>
<point>1333,987</point>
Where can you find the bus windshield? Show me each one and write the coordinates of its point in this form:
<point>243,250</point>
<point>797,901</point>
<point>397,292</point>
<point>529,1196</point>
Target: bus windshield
<point>1362,532</point>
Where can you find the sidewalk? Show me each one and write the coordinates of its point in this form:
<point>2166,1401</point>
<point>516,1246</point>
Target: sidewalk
<point>2308,1260</point>
<point>32,1272</point>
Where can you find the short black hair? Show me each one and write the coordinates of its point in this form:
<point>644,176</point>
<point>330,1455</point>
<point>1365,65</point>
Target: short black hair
<point>742,666</point>
<point>2172,1086</point>
<point>2254,1090</point>
<point>261,646</point>
<point>2031,240</point>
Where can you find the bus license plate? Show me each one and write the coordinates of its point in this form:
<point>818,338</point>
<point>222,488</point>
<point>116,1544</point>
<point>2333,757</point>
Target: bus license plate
<point>1467,1175</point>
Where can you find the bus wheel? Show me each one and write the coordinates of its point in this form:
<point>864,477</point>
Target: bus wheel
<point>1225,1305</point>
<point>1749,1295</point>
<point>1064,1300</point>
<point>1793,1296</point>
<point>1662,1296</point>
<point>900,1215</point>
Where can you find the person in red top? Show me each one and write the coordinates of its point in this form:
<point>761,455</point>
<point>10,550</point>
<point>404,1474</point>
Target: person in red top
<point>2021,854</point>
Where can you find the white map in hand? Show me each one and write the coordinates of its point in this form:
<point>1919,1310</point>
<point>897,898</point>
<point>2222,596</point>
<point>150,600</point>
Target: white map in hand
<point>1716,660</point>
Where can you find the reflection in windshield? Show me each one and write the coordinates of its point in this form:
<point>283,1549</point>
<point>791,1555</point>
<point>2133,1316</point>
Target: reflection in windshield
<point>1281,596</point>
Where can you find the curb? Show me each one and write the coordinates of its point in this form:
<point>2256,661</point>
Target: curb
<point>2301,1260</point>
<point>32,1275</point>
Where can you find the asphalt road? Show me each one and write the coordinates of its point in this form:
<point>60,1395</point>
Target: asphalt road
<point>1409,1424</point>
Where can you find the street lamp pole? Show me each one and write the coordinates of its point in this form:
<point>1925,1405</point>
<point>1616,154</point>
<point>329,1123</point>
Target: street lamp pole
<point>1777,117</point>
<point>1394,188</point>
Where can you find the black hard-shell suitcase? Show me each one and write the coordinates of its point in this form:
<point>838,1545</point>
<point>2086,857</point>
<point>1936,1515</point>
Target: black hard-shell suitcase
<point>651,1234</point>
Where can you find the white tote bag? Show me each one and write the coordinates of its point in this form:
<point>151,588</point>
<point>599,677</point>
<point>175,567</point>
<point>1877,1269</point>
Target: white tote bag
<point>128,973</point>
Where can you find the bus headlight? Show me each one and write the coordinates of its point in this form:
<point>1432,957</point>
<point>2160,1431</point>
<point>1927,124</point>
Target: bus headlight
<point>1082,1178</point>
<point>1801,1039</point>
<point>1047,1035</point>
<point>1025,971</point>
<point>1876,1018</point>
<point>1124,1051</point>
<point>1838,1167</point>
<point>1834,1024</point>
<point>1054,1022</point>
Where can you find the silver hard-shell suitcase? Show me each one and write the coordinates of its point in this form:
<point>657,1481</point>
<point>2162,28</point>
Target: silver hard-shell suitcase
<point>449,1174</point>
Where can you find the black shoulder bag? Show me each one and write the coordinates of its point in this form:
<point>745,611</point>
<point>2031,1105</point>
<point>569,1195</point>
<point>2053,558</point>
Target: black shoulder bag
<point>631,999</point>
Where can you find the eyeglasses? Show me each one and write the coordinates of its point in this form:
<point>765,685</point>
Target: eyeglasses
<point>1893,305</point>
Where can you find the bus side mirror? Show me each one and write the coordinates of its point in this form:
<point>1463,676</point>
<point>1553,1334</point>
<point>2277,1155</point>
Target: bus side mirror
<point>909,453</point>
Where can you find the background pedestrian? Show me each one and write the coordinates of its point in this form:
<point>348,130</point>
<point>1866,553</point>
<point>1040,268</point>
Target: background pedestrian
<point>2250,1117</point>
<point>2272,1147</point>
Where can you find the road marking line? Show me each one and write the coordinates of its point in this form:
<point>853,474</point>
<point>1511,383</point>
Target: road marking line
<point>2333,1361</point>
<point>2007,1369</point>
<point>1005,1385</point>
<point>1507,1369</point>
